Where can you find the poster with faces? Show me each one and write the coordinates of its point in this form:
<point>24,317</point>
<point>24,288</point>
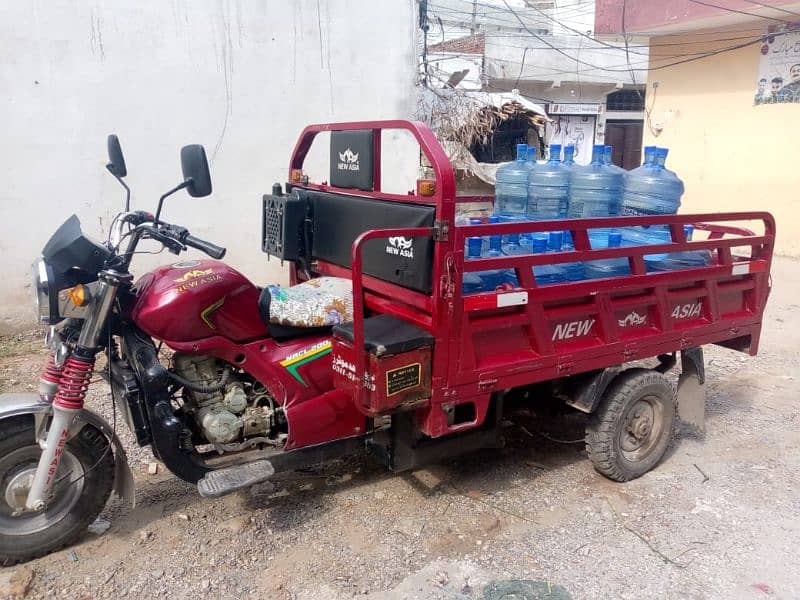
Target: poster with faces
<point>778,78</point>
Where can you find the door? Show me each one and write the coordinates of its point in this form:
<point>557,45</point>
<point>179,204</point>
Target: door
<point>626,137</point>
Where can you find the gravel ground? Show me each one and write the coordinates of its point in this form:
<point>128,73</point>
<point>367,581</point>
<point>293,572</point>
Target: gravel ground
<point>719,518</point>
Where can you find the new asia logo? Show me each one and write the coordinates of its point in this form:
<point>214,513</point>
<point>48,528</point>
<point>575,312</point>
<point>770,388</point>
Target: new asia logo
<point>400,246</point>
<point>348,161</point>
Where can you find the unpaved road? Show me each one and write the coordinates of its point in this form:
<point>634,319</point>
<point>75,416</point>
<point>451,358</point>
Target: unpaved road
<point>719,518</point>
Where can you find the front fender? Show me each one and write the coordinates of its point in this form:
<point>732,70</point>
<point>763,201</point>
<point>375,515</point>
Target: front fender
<point>15,404</point>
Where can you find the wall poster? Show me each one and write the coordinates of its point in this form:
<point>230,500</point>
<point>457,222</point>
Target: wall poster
<point>577,130</point>
<point>779,68</point>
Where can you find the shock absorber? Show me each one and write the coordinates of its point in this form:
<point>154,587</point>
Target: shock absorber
<point>72,387</point>
<point>50,378</point>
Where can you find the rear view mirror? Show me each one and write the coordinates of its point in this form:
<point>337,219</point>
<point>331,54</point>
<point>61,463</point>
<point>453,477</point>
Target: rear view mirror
<point>116,162</point>
<point>195,171</point>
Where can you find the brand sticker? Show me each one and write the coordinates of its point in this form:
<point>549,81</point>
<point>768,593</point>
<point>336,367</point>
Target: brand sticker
<point>193,275</point>
<point>296,360</point>
<point>572,329</point>
<point>348,161</point>
<point>632,319</point>
<point>403,378</point>
<point>400,246</point>
<point>687,311</point>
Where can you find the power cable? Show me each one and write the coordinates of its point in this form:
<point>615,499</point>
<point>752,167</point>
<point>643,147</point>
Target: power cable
<point>779,9</point>
<point>740,12</point>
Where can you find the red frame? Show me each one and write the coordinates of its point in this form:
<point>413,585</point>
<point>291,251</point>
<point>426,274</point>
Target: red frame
<point>481,348</point>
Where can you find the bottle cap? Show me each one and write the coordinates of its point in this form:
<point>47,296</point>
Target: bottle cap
<point>474,247</point>
<point>474,221</point>
<point>614,239</point>
<point>522,150</point>
<point>555,240</point>
<point>555,152</point>
<point>496,242</point>
<point>493,219</point>
<point>531,154</point>
<point>513,238</point>
<point>539,244</point>
<point>688,230</point>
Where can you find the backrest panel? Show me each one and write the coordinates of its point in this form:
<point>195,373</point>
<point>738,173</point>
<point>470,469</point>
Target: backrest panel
<point>338,220</point>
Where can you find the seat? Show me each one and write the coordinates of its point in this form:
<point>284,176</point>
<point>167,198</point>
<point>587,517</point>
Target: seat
<point>313,306</point>
<point>386,334</point>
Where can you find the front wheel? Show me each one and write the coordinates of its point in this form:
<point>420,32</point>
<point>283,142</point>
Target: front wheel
<point>631,429</point>
<point>83,483</point>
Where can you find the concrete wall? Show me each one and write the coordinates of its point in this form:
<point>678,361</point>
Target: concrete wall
<point>731,155</point>
<point>241,77</point>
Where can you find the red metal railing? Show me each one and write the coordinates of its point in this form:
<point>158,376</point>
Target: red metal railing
<point>358,296</point>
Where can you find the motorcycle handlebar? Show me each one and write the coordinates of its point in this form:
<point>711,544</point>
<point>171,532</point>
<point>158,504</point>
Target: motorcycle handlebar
<point>214,251</point>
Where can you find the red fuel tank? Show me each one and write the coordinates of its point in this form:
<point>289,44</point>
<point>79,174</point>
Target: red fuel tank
<point>197,299</point>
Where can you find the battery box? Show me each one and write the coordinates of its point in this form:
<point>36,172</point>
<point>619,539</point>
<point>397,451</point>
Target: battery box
<point>398,364</point>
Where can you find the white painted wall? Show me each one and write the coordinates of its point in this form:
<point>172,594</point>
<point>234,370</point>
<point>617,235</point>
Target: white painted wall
<point>241,77</point>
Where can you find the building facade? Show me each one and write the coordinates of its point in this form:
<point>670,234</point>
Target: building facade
<point>548,52</point>
<point>242,78</point>
<point>710,100</point>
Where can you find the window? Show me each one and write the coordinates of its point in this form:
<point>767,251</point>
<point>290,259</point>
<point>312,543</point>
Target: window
<point>626,100</point>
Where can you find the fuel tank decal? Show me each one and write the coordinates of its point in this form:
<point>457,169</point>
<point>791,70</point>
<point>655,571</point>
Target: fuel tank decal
<point>292,362</point>
<point>193,275</point>
<point>206,312</point>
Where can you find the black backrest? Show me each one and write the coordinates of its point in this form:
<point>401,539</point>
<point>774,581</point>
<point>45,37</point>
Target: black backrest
<point>338,219</point>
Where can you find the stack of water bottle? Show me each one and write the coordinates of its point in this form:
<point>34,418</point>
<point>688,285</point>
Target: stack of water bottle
<point>529,191</point>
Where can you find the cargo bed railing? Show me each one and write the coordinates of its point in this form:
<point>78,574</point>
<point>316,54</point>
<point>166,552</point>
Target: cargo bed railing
<point>760,245</point>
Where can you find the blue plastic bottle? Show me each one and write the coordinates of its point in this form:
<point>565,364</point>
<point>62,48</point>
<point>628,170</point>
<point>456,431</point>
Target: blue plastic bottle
<point>678,260</point>
<point>661,161</point>
<point>572,271</point>
<point>608,267</point>
<point>608,152</point>
<point>548,188</point>
<point>471,283</point>
<point>595,190</point>
<point>569,155</point>
<point>486,280</point>
<point>511,188</point>
<point>650,190</point>
<point>649,155</point>
<point>545,274</point>
<point>513,247</point>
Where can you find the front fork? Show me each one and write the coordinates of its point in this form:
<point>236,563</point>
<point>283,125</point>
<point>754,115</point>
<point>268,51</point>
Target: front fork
<point>66,384</point>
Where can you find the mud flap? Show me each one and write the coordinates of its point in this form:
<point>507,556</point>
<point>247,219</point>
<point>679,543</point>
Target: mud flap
<point>691,388</point>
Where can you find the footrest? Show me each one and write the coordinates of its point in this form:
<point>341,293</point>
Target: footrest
<point>230,479</point>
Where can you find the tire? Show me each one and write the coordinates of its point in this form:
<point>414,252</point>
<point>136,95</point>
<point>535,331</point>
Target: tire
<point>75,504</point>
<point>633,426</point>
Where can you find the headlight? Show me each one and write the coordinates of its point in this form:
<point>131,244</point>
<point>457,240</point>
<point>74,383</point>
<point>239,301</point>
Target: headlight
<point>44,296</point>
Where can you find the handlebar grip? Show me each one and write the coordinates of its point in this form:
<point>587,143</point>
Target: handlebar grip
<point>212,250</point>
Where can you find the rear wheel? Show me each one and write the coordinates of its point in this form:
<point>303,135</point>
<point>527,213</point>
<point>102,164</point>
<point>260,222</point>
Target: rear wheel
<point>83,483</point>
<point>631,429</point>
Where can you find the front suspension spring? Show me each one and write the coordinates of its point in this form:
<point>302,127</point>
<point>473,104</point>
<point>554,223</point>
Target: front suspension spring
<point>74,382</point>
<point>52,373</point>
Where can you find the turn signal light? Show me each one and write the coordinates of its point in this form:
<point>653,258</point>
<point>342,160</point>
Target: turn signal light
<point>297,176</point>
<point>426,187</point>
<point>78,295</point>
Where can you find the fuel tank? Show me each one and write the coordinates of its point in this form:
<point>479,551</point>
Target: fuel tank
<point>197,299</point>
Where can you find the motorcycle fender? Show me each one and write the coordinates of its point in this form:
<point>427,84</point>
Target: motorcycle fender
<point>14,404</point>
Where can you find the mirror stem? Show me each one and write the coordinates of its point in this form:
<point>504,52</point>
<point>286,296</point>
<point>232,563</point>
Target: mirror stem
<point>110,169</point>
<point>178,187</point>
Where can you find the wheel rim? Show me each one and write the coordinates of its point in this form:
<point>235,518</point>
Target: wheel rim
<point>16,473</point>
<point>642,428</point>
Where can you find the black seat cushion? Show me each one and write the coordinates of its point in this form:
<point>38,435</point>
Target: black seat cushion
<point>283,332</point>
<point>386,334</point>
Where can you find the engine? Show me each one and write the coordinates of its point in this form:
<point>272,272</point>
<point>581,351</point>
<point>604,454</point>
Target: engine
<point>240,410</point>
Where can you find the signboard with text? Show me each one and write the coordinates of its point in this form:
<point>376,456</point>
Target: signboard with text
<point>778,78</point>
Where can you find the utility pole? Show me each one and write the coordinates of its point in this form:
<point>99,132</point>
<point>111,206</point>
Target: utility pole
<point>473,27</point>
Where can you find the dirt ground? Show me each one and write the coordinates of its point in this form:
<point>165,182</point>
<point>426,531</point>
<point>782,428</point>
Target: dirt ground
<point>719,518</point>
